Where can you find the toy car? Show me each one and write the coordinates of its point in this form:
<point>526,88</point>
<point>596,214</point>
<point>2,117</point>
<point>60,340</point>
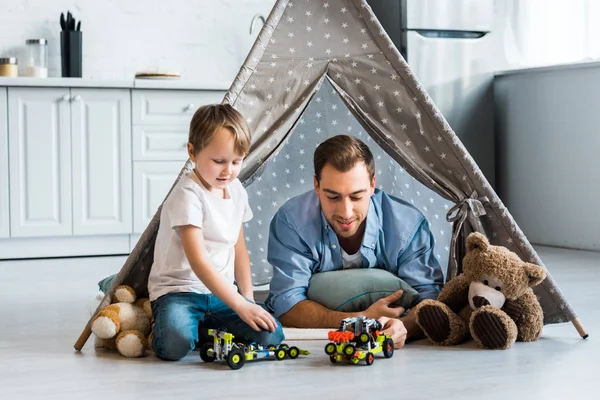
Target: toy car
<point>358,338</point>
<point>236,354</point>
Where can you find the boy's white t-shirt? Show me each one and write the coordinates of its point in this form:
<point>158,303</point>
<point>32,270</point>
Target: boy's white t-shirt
<point>220,220</point>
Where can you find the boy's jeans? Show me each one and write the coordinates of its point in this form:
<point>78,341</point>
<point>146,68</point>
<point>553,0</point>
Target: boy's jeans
<point>177,317</point>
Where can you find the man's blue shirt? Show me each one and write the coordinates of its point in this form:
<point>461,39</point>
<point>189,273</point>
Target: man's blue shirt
<point>301,242</point>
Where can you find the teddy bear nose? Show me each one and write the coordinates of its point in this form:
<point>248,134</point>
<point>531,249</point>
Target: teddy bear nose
<point>480,301</point>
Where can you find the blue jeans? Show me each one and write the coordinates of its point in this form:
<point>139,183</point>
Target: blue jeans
<point>178,318</point>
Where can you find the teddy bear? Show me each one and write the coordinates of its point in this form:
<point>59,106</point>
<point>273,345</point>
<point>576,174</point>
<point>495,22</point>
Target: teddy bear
<point>491,300</point>
<point>125,324</point>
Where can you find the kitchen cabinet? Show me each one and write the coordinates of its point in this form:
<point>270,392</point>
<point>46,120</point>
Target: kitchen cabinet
<point>101,153</point>
<point>4,208</point>
<point>85,164</point>
<point>151,184</point>
<point>39,137</point>
<point>70,165</point>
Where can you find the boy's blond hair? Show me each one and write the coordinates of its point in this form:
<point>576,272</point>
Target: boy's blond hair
<point>207,119</point>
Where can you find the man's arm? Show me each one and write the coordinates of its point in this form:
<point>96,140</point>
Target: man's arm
<point>322,317</point>
<point>309,314</point>
<point>418,266</point>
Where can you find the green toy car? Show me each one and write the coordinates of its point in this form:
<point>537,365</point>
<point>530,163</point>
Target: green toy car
<point>236,354</point>
<point>358,338</point>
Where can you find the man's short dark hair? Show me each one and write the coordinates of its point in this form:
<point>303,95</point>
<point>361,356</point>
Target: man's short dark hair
<point>343,152</point>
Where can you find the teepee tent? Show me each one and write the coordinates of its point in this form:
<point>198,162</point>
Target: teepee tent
<point>324,67</point>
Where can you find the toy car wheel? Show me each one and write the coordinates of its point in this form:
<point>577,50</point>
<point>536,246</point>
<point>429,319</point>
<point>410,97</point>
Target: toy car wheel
<point>330,348</point>
<point>204,353</point>
<point>388,348</point>
<point>332,359</point>
<point>272,347</point>
<point>236,359</point>
<point>349,350</point>
<point>370,358</point>
<point>293,352</point>
<point>363,338</point>
<point>281,353</point>
<point>284,346</point>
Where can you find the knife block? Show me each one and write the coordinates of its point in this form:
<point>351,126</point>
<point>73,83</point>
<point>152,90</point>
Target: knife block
<point>71,54</point>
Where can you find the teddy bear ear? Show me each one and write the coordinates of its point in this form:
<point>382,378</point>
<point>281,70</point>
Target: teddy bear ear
<point>476,241</point>
<point>535,274</point>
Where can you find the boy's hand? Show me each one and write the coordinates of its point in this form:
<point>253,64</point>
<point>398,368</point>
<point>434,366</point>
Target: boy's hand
<point>257,317</point>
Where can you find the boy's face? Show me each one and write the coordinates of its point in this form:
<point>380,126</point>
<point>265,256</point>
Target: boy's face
<point>345,197</point>
<point>218,163</point>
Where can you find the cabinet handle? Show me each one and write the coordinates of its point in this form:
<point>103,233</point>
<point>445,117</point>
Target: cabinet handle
<point>76,98</point>
<point>189,107</point>
<point>66,97</point>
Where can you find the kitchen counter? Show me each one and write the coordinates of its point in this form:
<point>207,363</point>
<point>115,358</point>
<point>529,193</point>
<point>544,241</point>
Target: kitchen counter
<point>549,68</point>
<point>117,83</point>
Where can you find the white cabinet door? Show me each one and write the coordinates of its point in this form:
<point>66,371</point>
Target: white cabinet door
<point>170,107</point>
<point>101,141</point>
<point>40,161</point>
<point>4,212</point>
<point>151,183</point>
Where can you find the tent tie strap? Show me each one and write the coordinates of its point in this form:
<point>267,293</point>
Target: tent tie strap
<point>473,206</point>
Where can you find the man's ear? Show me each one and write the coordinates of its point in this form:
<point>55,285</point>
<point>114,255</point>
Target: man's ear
<point>535,274</point>
<point>373,183</point>
<point>476,241</point>
<point>316,184</point>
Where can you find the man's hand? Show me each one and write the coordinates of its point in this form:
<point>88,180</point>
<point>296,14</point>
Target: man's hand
<point>383,307</point>
<point>256,316</point>
<point>396,329</point>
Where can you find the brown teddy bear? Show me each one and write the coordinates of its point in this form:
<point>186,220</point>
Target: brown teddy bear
<point>125,324</point>
<point>491,300</point>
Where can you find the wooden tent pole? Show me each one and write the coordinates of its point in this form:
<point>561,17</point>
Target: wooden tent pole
<point>579,328</point>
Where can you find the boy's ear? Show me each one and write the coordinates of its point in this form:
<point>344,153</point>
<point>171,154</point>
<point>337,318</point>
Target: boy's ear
<point>190,150</point>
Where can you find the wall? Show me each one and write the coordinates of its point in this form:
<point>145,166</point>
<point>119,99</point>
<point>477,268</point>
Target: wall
<point>199,38</point>
<point>548,153</point>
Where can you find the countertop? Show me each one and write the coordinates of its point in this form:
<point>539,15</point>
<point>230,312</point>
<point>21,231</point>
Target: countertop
<point>117,83</point>
<point>549,68</point>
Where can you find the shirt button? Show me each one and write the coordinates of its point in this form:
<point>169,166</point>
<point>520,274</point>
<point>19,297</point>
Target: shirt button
<point>373,244</point>
<point>333,246</point>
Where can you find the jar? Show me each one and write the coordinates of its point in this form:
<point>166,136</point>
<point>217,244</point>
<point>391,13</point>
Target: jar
<point>9,67</point>
<point>37,58</point>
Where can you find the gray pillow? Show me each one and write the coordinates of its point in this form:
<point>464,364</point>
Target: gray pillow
<point>354,290</point>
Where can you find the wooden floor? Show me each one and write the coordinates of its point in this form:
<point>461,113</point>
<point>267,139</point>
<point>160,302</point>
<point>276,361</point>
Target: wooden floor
<point>45,304</point>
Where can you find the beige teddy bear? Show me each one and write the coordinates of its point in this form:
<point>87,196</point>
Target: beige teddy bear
<point>491,300</point>
<point>125,324</point>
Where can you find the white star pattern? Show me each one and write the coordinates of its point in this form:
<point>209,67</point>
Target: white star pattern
<point>301,34</point>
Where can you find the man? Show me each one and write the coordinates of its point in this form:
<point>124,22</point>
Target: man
<point>345,222</point>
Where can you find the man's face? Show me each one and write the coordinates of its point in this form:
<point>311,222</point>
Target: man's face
<point>345,197</point>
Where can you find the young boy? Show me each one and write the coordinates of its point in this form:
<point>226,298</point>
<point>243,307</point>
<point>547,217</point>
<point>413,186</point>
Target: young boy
<point>200,249</point>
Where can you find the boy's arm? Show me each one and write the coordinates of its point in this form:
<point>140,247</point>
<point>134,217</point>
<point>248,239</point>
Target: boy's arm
<point>243,274</point>
<point>193,245</point>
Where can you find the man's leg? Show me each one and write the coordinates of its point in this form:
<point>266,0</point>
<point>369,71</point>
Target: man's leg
<point>221,316</point>
<point>176,320</point>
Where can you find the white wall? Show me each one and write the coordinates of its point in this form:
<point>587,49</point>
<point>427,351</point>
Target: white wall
<point>533,33</point>
<point>201,39</point>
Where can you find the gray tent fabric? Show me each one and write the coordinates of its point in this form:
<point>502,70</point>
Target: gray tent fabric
<point>307,46</point>
<point>290,172</point>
